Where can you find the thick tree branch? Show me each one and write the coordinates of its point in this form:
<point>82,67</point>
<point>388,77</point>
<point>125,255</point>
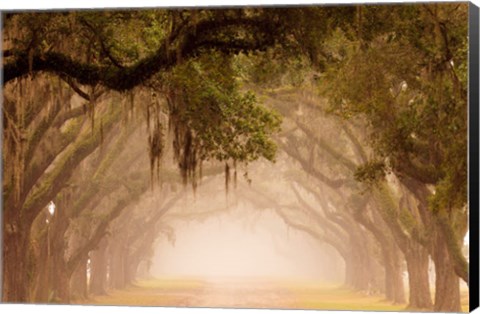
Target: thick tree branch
<point>167,55</point>
<point>388,209</point>
<point>39,132</point>
<point>63,171</point>
<point>356,143</point>
<point>326,147</point>
<point>75,87</point>
<point>293,152</point>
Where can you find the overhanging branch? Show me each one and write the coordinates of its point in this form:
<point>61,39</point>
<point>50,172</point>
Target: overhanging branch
<point>195,39</point>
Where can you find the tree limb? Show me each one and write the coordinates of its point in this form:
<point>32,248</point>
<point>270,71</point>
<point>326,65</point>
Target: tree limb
<point>166,56</point>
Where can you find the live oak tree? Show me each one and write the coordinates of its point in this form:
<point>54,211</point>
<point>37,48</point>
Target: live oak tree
<point>334,167</point>
<point>398,213</point>
<point>409,82</point>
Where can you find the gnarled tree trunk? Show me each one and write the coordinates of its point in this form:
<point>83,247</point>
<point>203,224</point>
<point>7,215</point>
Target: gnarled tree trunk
<point>15,255</point>
<point>117,265</point>
<point>447,283</point>
<point>98,281</point>
<point>78,282</point>
<point>394,288</point>
<point>418,283</point>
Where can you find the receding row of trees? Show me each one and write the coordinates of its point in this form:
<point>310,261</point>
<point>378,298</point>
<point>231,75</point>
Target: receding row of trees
<point>373,100</point>
<point>369,223</point>
<point>90,183</point>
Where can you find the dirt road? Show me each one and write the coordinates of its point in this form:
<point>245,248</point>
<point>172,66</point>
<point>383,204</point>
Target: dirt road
<point>245,293</point>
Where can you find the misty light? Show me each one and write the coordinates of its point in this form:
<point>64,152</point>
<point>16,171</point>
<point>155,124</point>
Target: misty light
<point>230,247</point>
<point>51,208</point>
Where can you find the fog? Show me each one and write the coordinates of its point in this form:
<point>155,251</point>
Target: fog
<point>235,244</point>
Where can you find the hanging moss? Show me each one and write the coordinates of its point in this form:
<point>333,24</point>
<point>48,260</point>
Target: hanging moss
<point>185,146</point>
<point>91,111</point>
<point>155,142</point>
<point>235,173</point>
<point>155,130</point>
<point>210,119</point>
<point>370,172</point>
<point>227,176</point>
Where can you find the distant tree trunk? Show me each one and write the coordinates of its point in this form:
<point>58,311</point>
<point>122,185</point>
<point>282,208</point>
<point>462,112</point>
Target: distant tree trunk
<point>133,258</point>
<point>78,282</point>
<point>61,281</point>
<point>99,270</point>
<point>377,279</point>
<point>447,283</point>
<point>42,280</point>
<point>389,280</point>
<point>349,271</point>
<point>59,274</point>
<point>131,264</point>
<point>117,267</point>
<point>397,276</point>
<point>357,269</point>
<point>394,288</point>
<point>364,271</point>
<point>144,269</point>
<point>417,266</point>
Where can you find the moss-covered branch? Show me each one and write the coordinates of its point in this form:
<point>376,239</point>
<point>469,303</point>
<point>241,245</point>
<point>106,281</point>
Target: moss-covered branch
<point>36,169</point>
<point>99,177</point>
<point>326,147</point>
<point>191,41</point>
<point>293,152</point>
<point>388,208</point>
<point>55,180</point>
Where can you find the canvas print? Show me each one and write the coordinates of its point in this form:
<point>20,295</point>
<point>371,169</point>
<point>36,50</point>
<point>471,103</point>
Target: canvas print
<point>301,157</point>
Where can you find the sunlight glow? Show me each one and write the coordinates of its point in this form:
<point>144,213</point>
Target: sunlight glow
<point>51,208</point>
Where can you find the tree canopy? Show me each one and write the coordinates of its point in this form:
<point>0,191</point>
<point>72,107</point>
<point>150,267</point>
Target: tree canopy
<point>363,108</point>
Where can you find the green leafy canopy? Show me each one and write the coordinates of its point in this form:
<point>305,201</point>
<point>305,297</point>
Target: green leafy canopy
<point>213,119</point>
